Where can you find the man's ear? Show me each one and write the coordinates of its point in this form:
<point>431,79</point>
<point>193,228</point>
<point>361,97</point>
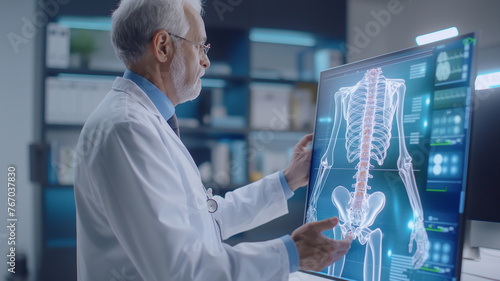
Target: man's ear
<point>162,45</point>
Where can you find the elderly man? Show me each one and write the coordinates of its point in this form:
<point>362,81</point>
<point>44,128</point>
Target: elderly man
<point>142,210</point>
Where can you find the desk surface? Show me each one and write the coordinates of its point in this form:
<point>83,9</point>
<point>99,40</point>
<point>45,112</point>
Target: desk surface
<point>487,268</point>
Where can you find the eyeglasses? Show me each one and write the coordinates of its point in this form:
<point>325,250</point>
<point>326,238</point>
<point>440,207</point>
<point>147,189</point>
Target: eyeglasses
<point>203,47</point>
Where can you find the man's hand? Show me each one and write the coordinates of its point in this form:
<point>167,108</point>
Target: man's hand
<point>316,251</point>
<point>297,173</point>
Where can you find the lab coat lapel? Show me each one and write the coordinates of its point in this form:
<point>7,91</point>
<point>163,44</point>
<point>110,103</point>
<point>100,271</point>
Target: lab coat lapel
<point>179,143</point>
<point>138,94</point>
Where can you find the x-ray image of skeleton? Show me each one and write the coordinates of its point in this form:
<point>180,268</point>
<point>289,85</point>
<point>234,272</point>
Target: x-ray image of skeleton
<point>369,108</point>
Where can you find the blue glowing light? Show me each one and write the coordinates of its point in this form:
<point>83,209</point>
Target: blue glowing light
<point>436,36</point>
<point>213,83</point>
<point>277,36</point>
<point>94,23</point>
<point>410,225</point>
<point>488,81</point>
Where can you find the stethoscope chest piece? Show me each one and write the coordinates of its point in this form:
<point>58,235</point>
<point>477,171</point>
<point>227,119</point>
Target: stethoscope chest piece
<point>212,205</point>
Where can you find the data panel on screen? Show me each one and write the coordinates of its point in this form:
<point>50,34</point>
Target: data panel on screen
<point>389,159</point>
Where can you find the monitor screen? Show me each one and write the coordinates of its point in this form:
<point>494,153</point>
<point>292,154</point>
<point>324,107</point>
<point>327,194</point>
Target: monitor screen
<point>390,155</point>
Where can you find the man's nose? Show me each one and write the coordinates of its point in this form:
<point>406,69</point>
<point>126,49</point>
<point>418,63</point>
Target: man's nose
<point>205,61</point>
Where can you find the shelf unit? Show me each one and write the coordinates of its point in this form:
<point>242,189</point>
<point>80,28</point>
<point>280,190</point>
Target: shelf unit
<point>204,129</point>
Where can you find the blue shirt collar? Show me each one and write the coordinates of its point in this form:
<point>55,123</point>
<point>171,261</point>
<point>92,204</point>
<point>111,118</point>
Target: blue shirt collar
<point>159,99</point>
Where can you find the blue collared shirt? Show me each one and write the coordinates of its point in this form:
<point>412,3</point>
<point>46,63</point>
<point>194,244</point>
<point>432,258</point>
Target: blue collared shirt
<point>159,99</point>
<point>167,109</point>
<point>293,254</point>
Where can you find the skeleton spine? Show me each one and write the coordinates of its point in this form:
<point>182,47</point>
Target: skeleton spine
<point>365,146</point>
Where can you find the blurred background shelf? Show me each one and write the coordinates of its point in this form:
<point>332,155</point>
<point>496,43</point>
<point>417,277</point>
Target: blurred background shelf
<point>79,71</point>
<point>63,127</point>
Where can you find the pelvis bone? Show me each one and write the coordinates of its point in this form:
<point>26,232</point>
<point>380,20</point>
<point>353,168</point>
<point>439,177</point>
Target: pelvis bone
<point>357,221</point>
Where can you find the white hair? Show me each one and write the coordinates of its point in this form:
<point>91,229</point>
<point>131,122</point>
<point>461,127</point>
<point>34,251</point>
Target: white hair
<point>135,22</point>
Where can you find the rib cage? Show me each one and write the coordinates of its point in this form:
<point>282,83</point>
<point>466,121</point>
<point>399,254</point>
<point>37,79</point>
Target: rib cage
<point>382,120</point>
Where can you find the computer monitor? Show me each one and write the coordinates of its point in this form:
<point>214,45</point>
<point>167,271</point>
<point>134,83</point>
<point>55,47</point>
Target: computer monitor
<point>483,193</point>
<point>390,155</point>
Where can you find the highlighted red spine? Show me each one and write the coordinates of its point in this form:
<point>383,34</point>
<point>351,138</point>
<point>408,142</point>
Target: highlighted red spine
<point>363,167</point>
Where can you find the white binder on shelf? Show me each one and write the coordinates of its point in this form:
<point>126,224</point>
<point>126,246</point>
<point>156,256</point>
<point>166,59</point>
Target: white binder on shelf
<point>270,106</point>
<point>58,46</point>
<point>69,101</point>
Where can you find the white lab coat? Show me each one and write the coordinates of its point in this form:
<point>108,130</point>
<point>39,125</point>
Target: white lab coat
<point>141,205</point>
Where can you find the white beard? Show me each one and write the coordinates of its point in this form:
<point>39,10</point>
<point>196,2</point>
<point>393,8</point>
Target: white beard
<point>178,69</point>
